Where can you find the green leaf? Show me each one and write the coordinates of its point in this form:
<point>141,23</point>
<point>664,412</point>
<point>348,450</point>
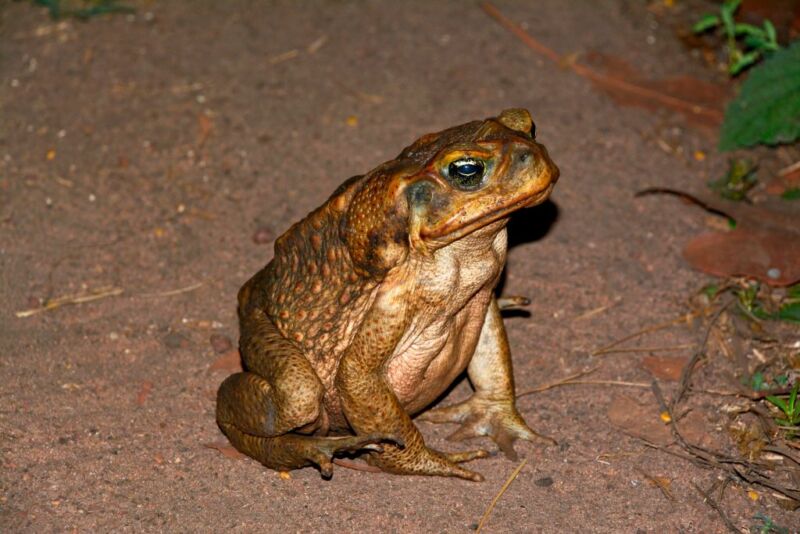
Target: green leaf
<point>793,292</point>
<point>790,312</point>
<point>741,28</point>
<point>705,23</point>
<point>726,13</point>
<point>757,381</point>
<point>779,402</point>
<point>711,290</point>
<point>769,29</point>
<point>767,110</point>
<point>781,380</point>
<point>791,194</point>
<point>756,42</point>
<point>744,61</point>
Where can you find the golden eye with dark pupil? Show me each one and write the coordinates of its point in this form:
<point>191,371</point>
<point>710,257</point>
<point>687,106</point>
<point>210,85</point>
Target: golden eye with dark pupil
<point>466,173</point>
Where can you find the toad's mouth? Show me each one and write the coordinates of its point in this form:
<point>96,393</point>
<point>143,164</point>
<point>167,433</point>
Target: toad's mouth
<point>456,228</point>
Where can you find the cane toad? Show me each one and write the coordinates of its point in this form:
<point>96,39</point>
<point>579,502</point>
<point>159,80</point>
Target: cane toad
<point>377,300</point>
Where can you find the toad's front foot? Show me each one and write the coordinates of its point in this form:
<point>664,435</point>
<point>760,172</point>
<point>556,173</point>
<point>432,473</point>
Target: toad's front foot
<point>483,417</point>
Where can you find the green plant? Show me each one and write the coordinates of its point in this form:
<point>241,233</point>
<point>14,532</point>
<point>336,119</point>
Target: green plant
<point>767,526</point>
<point>758,305</point>
<point>767,109</point>
<point>87,9</point>
<point>740,178</point>
<point>755,42</point>
<point>790,409</point>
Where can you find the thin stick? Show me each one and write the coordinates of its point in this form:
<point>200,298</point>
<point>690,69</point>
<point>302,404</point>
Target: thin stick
<point>592,313</point>
<point>172,292</point>
<point>557,382</point>
<point>100,293</point>
<point>648,330</point>
<point>644,349</point>
<point>586,72</point>
<point>686,373</point>
<point>716,507</point>
<point>790,169</point>
<point>574,382</point>
<point>508,482</point>
<point>659,484</point>
<point>606,383</point>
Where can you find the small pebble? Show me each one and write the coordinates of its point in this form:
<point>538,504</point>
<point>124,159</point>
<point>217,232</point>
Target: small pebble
<point>174,340</point>
<point>220,343</point>
<point>544,482</point>
<point>263,235</point>
<point>774,273</point>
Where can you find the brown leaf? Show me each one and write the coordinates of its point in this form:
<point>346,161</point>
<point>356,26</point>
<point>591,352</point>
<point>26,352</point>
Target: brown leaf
<point>226,449</point>
<point>665,367</point>
<point>638,420</point>
<point>230,361</point>
<point>144,392</point>
<point>767,255</point>
<point>765,244</point>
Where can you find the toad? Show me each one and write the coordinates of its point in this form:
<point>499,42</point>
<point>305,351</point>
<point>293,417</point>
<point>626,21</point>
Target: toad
<point>377,301</point>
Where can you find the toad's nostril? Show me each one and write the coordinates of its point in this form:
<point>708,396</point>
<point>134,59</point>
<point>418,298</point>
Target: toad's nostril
<point>524,156</point>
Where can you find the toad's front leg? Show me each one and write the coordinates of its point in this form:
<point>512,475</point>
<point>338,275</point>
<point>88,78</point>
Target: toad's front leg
<point>491,411</point>
<point>371,406</point>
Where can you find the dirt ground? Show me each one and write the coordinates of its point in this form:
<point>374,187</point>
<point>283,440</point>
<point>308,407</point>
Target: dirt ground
<point>141,154</point>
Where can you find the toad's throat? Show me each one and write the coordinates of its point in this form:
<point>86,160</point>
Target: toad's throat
<point>457,228</point>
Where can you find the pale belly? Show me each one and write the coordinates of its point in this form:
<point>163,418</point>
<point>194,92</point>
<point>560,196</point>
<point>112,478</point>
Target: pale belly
<point>426,362</point>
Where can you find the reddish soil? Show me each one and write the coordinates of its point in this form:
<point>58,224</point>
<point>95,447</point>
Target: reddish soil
<point>161,153</point>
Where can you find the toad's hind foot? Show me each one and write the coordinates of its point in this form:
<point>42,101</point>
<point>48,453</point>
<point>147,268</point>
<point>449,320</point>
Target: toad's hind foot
<point>480,417</point>
<point>293,451</point>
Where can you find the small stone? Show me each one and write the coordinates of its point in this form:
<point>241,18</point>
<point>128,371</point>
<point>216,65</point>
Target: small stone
<point>263,235</point>
<point>544,482</point>
<point>774,273</point>
<point>220,343</point>
<point>174,340</point>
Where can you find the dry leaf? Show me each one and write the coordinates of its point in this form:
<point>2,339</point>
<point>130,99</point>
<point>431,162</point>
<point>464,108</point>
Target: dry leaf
<point>638,420</point>
<point>765,244</point>
<point>666,367</point>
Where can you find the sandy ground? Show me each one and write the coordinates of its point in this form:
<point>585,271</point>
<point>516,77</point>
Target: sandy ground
<point>143,152</point>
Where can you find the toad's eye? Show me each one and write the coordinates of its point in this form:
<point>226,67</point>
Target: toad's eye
<point>466,173</point>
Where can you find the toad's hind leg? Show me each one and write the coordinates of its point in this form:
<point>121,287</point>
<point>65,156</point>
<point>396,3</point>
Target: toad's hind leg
<point>245,425</point>
<point>265,410</point>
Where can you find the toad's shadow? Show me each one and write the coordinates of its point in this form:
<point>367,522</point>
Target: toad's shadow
<point>526,226</point>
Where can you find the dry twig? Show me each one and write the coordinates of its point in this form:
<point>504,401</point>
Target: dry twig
<point>574,380</point>
<point>172,292</point>
<point>661,326</point>
<point>508,482</point>
<point>97,294</point>
<point>686,373</point>
<point>601,79</point>
<point>644,349</point>
<point>713,504</point>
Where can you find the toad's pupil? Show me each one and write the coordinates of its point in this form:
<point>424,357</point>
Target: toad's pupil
<point>466,173</point>
<point>467,169</point>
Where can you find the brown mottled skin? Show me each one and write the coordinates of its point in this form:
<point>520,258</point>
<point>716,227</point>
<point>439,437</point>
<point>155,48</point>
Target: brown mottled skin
<point>377,300</point>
